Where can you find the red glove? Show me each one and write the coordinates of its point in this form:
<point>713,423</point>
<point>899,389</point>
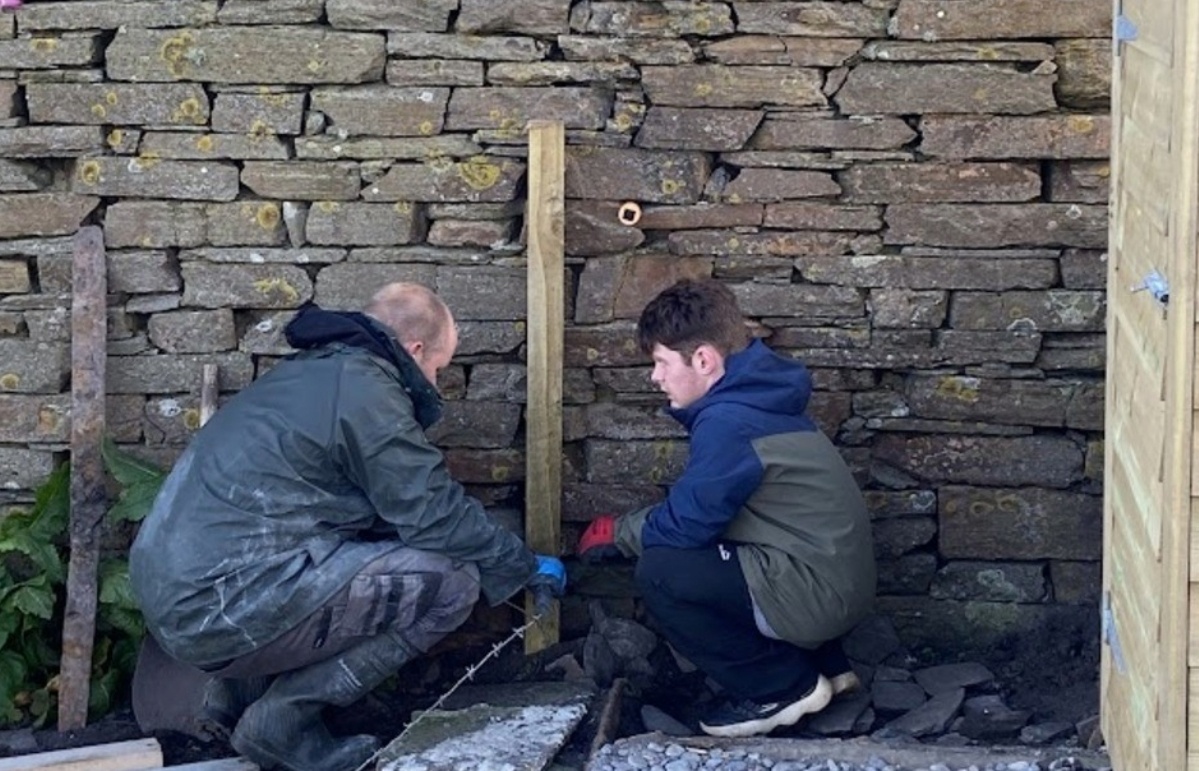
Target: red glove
<point>598,542</point>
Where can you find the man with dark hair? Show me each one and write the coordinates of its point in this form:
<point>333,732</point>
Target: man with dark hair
<point>761,556</point>
<point>310,541</point>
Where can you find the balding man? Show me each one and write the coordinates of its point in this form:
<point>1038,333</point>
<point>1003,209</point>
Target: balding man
<point>310,541</point>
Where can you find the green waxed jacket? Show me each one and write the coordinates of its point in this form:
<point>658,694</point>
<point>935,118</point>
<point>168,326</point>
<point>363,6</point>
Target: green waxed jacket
<point>310,473</point>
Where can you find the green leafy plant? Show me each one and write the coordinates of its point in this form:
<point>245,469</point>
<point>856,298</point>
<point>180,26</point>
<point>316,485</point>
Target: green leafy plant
<point>33,558</point>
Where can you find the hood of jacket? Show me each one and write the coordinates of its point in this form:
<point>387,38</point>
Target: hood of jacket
<point>314,327</point>
<point>757,377</point>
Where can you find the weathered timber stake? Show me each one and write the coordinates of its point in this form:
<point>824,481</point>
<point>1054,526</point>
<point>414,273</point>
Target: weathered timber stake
<point>88,357</point>
<point>208,392</point>
<point>133,755</point>
<point>609,719</point>
<point>547,308</point>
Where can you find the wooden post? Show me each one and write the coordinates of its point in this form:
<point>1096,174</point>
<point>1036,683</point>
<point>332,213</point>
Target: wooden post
<point>88,359</point>
<point>544,220</point>
<point>209,392</point>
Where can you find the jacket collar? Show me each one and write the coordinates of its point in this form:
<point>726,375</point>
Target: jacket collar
<point>315,327</point>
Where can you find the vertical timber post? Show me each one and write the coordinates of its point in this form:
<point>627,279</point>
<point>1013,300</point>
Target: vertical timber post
<point>546,302</point>
<point>88,360</point>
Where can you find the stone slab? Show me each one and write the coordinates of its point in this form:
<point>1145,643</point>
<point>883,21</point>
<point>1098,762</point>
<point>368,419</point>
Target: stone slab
<point>716,85</point>
<point>155,178</point>
<point>527,17</point>
<point>677,128</point>
<point>254,55</point>
<point>424,16</point>
<point>875,88</point>
<point>1064,136</point>
<point>271,11</point>
<point>992,225</point>
<point>476,179</point>
<point>33,367</point>
<point>666,19</point>
<point>782,50</point>
<point>952,51</point>
<point>45,52</point>
<point>636,50</point>
<point>303,180</point>
<point>245,286</point>
<point>43,214</point>
<point>511,108</point>
<point>520,727</point>
<point>434,72</point>
<point>382,110</point>
<point>933,182</point>
<point>155,224</point>
<point>491,48</point>
<point>265,113</point>
<point>795,132</point>
<point>1084,72</point>
<point>1042,460</point>
<point>51,141</point>
<point>953,20</point>
<point>115,14</point>
<point>165,104</point>
<point>671,177</point>
<point>176,373</point>
<point>191,146</point>
<point>24,469</point>
<point>1019,524</point>
<point>329,148</point>
<point>355,223</point>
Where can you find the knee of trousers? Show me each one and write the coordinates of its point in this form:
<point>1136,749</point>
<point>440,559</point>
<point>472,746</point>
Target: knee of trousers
<point>457,593</point>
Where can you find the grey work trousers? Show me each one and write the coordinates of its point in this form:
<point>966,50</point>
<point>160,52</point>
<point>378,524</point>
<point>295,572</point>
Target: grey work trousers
<point>419,595</point>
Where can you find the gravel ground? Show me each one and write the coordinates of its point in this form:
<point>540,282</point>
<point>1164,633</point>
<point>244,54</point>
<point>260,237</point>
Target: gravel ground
<point>641,755</point>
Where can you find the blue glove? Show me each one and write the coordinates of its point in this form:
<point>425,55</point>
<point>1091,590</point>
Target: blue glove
<point>551,573</point>
<point>547,583</point>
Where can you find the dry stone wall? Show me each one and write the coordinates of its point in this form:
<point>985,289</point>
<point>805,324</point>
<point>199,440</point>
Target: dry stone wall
<point>909,195</point>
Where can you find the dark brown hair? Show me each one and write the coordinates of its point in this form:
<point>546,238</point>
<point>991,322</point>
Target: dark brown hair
<point>690,314</point>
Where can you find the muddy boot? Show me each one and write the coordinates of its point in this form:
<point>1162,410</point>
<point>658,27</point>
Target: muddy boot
<point>284,729</point>
<point>225,699</point>
<point>169,695</point>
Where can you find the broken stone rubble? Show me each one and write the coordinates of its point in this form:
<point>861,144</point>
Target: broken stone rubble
<point>944,704</point>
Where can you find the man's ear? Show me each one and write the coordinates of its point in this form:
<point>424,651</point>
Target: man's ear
<point>415,348</point>
<point>707,359</point>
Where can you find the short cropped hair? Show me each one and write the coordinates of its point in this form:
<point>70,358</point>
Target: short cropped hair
<point>692,313</point>
<point>414,312</point>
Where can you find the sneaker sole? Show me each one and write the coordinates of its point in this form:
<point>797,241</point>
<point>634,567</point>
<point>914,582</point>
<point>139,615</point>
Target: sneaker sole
<point>846,682</point>
<point>817,700</point>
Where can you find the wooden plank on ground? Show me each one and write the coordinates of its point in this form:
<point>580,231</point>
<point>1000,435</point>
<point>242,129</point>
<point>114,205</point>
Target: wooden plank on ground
<point>88,501</point>
<point>119,756</point>
<point>224,764</point>
<point>547,309</point>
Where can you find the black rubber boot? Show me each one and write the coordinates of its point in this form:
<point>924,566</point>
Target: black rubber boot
<point>225,699</point>
<point>284,729</point>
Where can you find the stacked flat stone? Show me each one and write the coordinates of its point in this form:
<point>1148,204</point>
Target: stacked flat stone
<point>909,195</point>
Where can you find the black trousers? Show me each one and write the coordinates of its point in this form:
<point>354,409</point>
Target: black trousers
<point>701,603</point>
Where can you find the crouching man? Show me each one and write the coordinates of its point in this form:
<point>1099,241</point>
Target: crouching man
<point>761,557</point>
<point>310,541</point>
